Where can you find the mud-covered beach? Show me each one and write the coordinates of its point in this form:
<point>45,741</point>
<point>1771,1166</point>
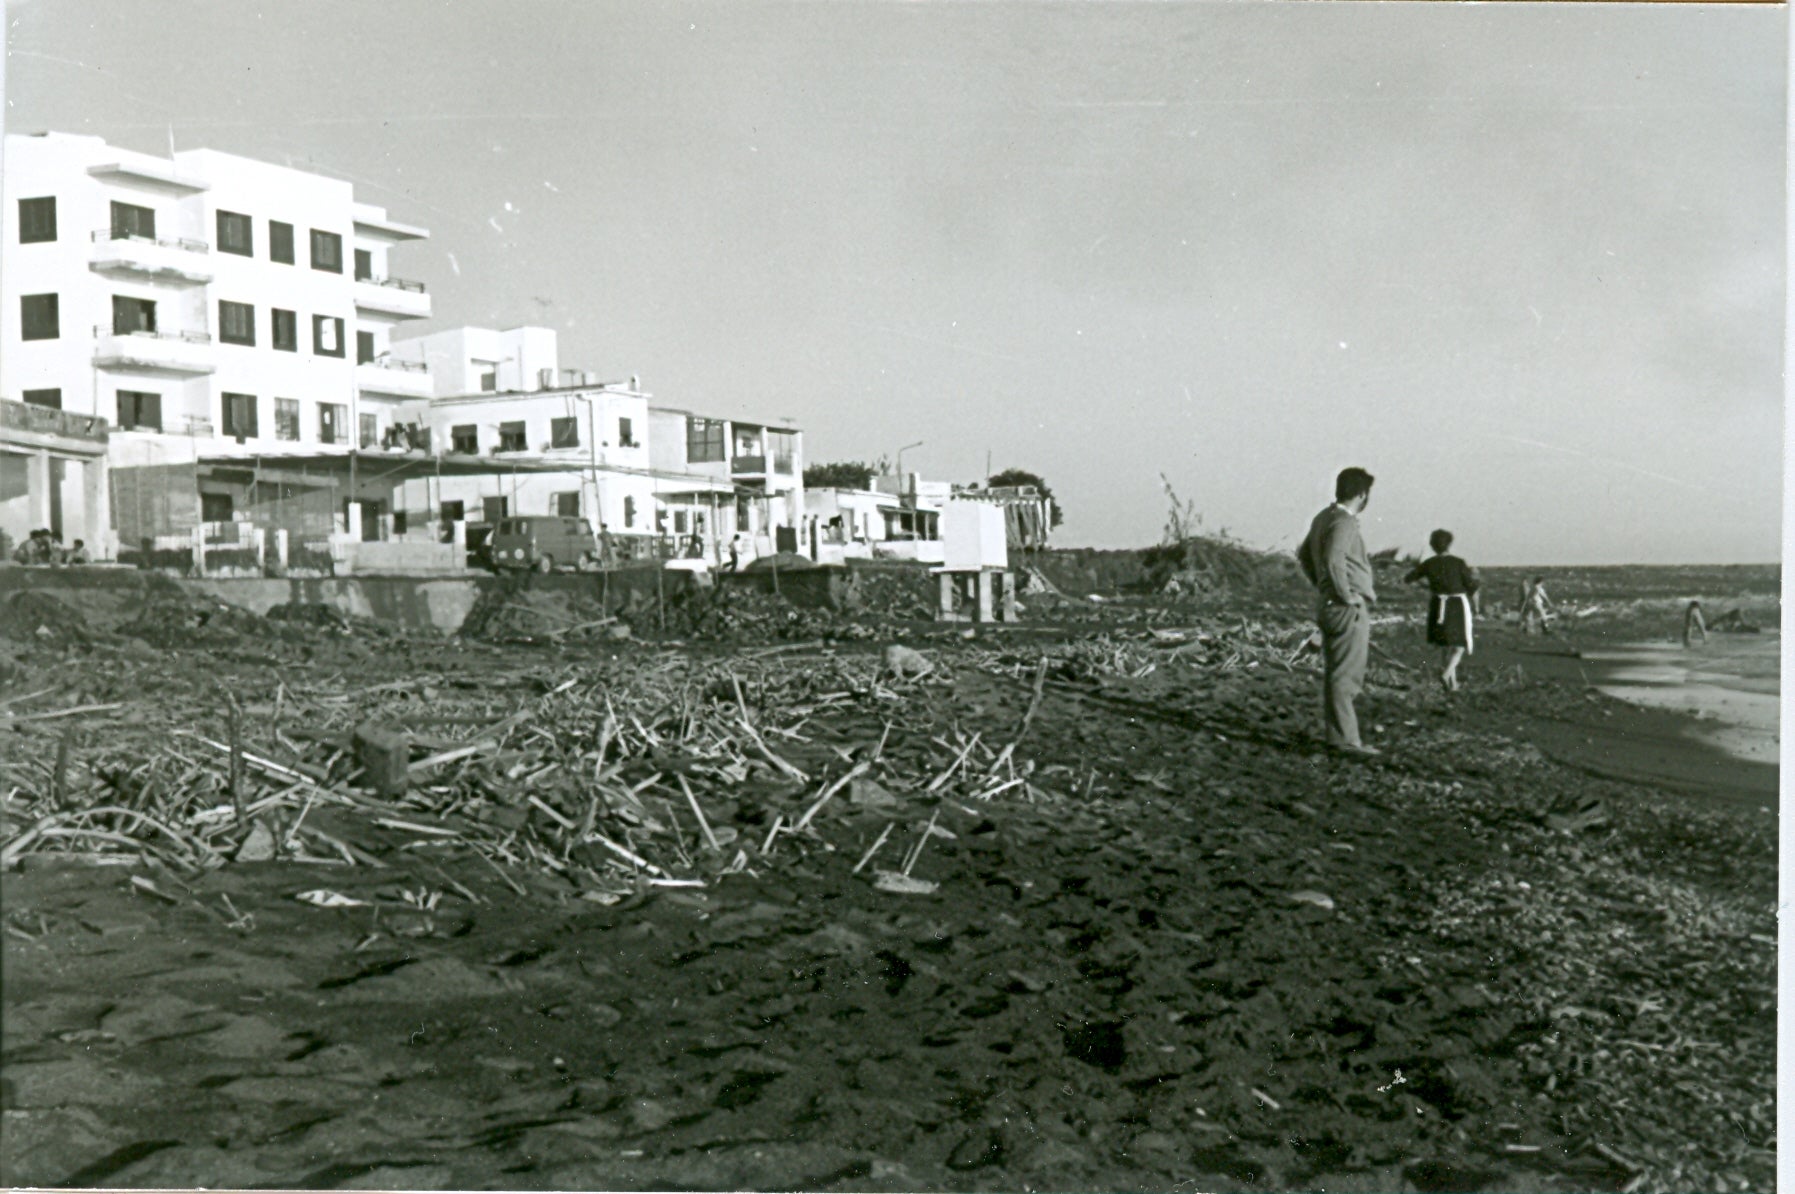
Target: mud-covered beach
<point>1085,906</point>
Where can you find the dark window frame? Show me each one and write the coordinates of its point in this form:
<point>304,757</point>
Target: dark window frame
<point>561,504</point>
<point>289,342</point>
<point>233,407</point>
<point>514,436</point>
<point>464,439</point>
<point>287,416</point>
<point>564,432</point>
<point>367,430</point>
<point>236,233</point>
<point>364,265</point>
<point>318,323</point>
<point>364,347</point>
<point>280,242</point>
<point>40,316</point>
<point>707,440</point>
<point>626,433</point>
<point>137,307</point>
<point>126,218</point>
<point>333,419</point>
<point>34,229</point>
<point>245,315</point>
<point>331,260</point>
<point>139,409</point>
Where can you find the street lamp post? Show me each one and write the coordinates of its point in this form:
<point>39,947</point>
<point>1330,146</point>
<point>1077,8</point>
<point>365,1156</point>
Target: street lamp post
<point>900,463</point>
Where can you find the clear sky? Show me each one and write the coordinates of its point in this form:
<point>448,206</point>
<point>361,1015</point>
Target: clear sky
<point>1524,262</point>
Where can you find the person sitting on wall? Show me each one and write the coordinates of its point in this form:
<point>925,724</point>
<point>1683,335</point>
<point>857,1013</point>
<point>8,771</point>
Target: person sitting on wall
<point>35,550</point>
<point>79,554</point>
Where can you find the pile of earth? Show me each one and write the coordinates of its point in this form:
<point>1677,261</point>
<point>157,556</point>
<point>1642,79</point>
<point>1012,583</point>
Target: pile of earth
<point>729,613</point>
<point>194,620</point>
<point>30,616</point>
<point>529,615</point>
<point>1205,567</point>
<point>328,620</point>
<point>891,592</point>
<point>784,561</point>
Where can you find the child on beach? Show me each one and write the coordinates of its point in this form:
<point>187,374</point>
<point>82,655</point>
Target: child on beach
<point>1536,607</point>
<point>1452,583</point>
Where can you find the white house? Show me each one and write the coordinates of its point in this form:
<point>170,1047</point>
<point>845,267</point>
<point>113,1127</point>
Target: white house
<point>724,477</point>
<point>208,306</point>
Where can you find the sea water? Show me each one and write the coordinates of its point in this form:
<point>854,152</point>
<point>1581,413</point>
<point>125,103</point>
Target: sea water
<point>1731,685</point>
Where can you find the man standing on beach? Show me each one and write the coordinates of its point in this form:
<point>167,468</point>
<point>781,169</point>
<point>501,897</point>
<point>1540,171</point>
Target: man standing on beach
<point>1333,557</point>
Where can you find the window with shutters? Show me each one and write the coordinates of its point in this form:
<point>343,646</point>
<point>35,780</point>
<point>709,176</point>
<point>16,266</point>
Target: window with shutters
<point>464,438</point>
<point>51,399</point>
<point>131,315</point>
<point>327,251</point>
<point>629,511</point>
<point>285,330</point>
<point>327,336</point>
<point>236,234</point>
<point>280,242</point>
<point>236,323</point>
<point>370,431</point>
<point>567,504</point>
<point>41,317</point>
<point>239,421</point>
<point>37,220</point>
<point>333,422</point>
<point>511,437</point>
<point>130,220</point>
<point>139,410</point>
<point>286,418</point>
<point>564,433</point>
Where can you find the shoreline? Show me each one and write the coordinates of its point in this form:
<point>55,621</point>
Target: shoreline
<point>1651,721</point>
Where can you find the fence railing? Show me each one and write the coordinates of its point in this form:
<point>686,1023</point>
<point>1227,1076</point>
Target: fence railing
<point>401,365</point>
<point>102,235</point>
<point>100,329</point>
<point>47,420</point>
<point>405,284</point>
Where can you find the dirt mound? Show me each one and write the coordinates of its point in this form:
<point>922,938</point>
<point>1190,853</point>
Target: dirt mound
<point>310,613</point>
<point>1201,566</point>
<point>192,620</point>
<point>536,615</point>
<point>785,561</point>
<point>891,592</point>
<point>29,616</point>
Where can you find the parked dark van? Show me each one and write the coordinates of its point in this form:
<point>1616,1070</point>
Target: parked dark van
<point>544,542</point>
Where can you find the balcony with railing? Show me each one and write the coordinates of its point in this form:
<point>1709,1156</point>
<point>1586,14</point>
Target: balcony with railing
<point>23,422</point>
<point>142,351</point>
<point>397,297</point>
<point>179,260</point>
<point>394,377</point>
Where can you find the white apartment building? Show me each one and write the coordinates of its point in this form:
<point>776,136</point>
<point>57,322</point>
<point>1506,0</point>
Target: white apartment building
<point>728,477</point>
<point>207,305</point>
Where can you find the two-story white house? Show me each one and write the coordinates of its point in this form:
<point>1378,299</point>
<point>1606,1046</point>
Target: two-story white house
<point>725,477</point>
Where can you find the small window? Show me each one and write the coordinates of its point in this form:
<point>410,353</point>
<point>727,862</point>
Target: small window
<point>364,347</point>
<point>629,510</point>
<point>239,420</point>
<point>327,252</point>
<point>236,322</point>
<point>564,433</point>
<point>47,398</point>
<point>130,220</point>
<point>286,330</point>
<point>286,418</point>
<point>333,422</point>
<point>400,521</point>
<point>679,522</point>
<point>215,507</point>
<point>567,505</point>
<point>280,242</point>
<point>495,508</point>
<point>511,437</point>
<point>453,512</point>
<point>327,336</point>
<point>364,265</point>
<point>370,431</point>
<point>489,382</point>
<point>626,435</point>
<point>236,234</point>
<point>138,410</point>
<point>132,315</point>
<point>37,220</point>
<point>41,317</point>
<point>464,438</point>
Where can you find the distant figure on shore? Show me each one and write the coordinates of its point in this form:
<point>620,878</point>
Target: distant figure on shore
<point>1333,557</point>
<point>1693,623</point>
<point>1733,622</point>
<point>1536,607</point>
<point>1452,584</point>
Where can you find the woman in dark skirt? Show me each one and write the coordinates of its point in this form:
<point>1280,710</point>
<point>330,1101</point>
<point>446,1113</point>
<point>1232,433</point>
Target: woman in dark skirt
<point>1453,585</point>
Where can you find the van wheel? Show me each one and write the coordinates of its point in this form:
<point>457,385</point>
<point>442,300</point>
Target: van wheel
<point>545,563</point>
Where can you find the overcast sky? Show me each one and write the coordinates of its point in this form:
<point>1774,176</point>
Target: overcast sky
<point>1524,262</point>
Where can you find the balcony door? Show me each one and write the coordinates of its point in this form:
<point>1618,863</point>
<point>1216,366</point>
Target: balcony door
<point>131,315</point>
<point>130,220</point>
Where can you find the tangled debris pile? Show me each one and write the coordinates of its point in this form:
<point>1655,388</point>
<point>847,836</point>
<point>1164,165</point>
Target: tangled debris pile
<point>598,780</point>
<point>528,615</point>
<point>31,616</point>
